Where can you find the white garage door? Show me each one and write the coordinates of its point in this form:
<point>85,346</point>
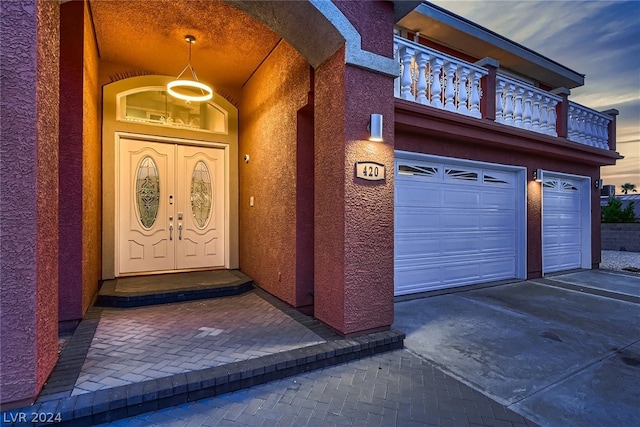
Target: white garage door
<point>455,224</point>
<point>562,224</point>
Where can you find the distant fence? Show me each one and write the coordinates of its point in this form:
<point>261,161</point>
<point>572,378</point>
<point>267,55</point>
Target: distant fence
<point>621,237</point>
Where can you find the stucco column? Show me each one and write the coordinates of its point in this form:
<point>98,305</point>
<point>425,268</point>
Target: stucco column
<point>611,128</point>
<point>562,112</point>
<point>353,217</point>
<point>79,163</point>
<point>489,84</point>
<point>28,198</point>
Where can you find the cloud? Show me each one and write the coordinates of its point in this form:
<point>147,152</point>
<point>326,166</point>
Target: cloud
<point>600,39</point>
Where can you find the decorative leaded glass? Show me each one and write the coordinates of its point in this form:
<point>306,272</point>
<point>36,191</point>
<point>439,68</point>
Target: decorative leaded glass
<point>201,194</point>
<point>147,192</point>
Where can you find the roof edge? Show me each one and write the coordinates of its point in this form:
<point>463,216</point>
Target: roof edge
<point>482,33</point>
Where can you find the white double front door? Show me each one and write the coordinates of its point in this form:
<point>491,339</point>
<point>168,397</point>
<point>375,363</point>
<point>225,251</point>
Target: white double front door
<point>171,207</point>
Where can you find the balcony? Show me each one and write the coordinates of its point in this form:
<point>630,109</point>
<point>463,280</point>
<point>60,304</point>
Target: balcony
<point>480,90</point>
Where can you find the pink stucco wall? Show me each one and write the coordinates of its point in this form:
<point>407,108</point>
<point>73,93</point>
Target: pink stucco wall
<point>91,167</point>
<point>305,209</point>
<point>369,235</point>
<point>268,112</point>
<point>354,218</point>
<point>70,160</point>
<point>373,20</point>
<point>79,162</point>
<point>29,198</point>
<point>329,221</point>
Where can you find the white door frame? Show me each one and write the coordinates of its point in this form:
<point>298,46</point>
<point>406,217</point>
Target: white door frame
<point>521,202</point>
<point>585,212</point>
<point>179,141</point>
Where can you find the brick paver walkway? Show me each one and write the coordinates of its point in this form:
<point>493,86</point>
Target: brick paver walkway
<point>389,389</point>
<point>138,344</point>
<point>267,363</point>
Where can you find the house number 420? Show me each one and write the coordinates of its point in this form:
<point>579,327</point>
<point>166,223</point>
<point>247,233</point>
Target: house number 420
<point>370,171</point>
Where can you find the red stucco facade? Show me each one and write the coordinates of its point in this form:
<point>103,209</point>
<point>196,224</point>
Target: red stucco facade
<point>317,237</point>
<point>269,108</point>
<point>29,198</point>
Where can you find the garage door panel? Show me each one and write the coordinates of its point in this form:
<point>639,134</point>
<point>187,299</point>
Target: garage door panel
<point>561,237</point>
<point>420,277</point>
<point>417,279</point>
<point>465,220</point>
<point>458,220</point>
<point>415,220</point>
<point>560,206</point>
<point>457,258</point>
<point>497,199</point>
<point>462,198</point>
<point>418,196</point>
<point>558,261</point>
<point>477,243</point>
<point>422,245</point>
<point>561,220</point>
<point>417,246</point>
<point>498,219</point>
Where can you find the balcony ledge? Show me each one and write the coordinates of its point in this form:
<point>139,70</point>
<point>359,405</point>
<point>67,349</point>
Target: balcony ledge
<point>444,125</point>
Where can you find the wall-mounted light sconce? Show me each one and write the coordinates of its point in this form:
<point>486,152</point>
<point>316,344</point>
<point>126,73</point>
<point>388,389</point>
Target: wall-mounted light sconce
<point>375,128</point>
<point>537,175</point>
<point>598,184</point>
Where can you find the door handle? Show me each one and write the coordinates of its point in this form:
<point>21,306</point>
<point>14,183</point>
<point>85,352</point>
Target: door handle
<point>170,231</point>
<point>179,231</point>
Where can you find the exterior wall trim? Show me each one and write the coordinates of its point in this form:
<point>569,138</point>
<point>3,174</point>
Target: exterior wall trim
<point>355,55</point>
<point>424,120</point>
<point>324,31</point>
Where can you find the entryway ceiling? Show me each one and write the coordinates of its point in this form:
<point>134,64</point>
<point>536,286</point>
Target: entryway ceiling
<point>149,35</point>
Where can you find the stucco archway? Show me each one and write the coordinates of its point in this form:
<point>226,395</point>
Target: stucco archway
<point>317,29</point>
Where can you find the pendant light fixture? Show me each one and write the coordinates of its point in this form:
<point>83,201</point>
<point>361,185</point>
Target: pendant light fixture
<point>187,89</point>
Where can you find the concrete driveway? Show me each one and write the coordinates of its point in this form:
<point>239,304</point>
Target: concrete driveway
<point>561,351</point>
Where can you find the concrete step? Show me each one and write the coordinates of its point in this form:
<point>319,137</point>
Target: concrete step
<point>170,288</point>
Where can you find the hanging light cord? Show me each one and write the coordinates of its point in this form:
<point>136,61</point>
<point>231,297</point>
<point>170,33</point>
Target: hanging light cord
<point>193,72</point>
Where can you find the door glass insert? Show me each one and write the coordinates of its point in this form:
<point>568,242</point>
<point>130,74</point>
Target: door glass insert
<point>147,192</point>
<point>201,194</point>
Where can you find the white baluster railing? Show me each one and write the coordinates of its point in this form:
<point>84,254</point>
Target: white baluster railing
<point>524,106</point>
<point>442,81</point>
<point>437,79</point>
<point>588,126</point>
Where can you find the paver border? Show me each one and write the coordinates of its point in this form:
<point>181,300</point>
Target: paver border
<point>111,404</point>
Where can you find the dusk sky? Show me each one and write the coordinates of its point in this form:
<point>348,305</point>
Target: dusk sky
<point>600,39</point>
